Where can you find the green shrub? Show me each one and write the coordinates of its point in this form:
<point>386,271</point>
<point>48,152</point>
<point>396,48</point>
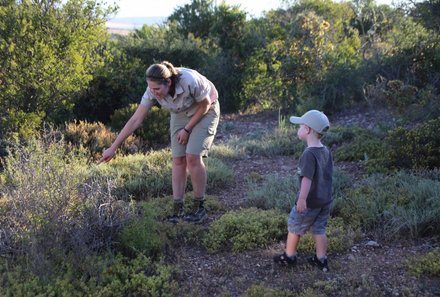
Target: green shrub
<point>107,276</point>
<point>95,137</point>
<point>18,125</point>
<point>183,232</point>
<point>273,192</point>
<point>342,183</point>
<point>281,141</point>
<point>410,102</point>
<point>399,95</point>
<point>428,264</point>
<point>400,205</point>
<point>340,237</point>
<point>149,175</point>
<point>154,130</point>
<point>245,229</point>
<point>355,144</point>
<point>52,208</point>
<point>219,175</point>
<point>142,234</point>
<point>224,151</point>
<point>418,148</point>
<point>261,291</point>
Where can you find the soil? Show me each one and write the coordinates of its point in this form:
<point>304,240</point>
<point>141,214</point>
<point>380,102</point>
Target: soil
<point>372,267</point>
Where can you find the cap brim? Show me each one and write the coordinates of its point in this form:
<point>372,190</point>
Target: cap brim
<point>295,120</point>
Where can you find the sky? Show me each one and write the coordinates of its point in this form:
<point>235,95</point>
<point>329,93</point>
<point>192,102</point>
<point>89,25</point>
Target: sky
<point>164,8</point>
<point>149,8</point>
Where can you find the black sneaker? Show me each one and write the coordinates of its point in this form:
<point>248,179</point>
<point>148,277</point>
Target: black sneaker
<point>197,217</point>
<point>322,265</point>
<point>283,259</point>
<point>178,213</point>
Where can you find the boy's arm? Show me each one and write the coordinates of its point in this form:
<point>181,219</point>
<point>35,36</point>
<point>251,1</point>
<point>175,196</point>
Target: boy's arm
<point>301,204</point>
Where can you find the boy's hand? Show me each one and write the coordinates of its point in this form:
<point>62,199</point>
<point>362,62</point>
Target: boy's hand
<point>301,205</point>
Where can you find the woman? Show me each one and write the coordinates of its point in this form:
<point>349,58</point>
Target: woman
<point>195,112</point>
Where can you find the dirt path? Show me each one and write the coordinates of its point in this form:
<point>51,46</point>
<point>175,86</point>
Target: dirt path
<point>366,270</point>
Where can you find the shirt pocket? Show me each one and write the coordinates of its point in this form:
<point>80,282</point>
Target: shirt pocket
<point>187,102</point>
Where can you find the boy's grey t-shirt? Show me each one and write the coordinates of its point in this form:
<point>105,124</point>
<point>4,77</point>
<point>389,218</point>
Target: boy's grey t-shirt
<point>316,163</point>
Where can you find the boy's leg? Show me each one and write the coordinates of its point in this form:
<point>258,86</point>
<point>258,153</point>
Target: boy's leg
<point>320,258</point>
<point>321,245</point>
<point>292,244</point>
<point>320,238</point>
<point>289,257</point>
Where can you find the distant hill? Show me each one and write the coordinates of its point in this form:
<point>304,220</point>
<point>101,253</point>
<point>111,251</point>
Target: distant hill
<point>124,25</point>
<point>135,22</point>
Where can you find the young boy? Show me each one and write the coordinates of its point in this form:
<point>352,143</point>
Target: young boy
<point>312,207</point>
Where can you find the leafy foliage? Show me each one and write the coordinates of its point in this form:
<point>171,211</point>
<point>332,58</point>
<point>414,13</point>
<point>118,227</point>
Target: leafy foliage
<point>142,235</point>
<point>272,192</point>
<point>95,137</point>
<point>418,148</point>
<point>245,229</point>
<point>341,237</point>
<point>428,264</point>
<point>48,55</point>
<point>147,176</point>
<point>391,205</point>
<point>156,128</point>
<point>53,209</point>
<point>111,276</point>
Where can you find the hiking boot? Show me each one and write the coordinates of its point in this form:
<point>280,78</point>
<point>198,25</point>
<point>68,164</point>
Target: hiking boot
<point>321,264</point>
<point>178,213</point>
<point>283,259</point>
<point>197,217</point>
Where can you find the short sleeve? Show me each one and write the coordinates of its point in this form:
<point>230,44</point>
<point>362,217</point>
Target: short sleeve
<point>148,98</point>
<point>200,87</point>
<point>307,164</point>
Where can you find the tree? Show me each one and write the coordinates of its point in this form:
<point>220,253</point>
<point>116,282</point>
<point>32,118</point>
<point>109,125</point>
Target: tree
<point>195,18</point>
<point>49,50</point>
<point>428,13</point>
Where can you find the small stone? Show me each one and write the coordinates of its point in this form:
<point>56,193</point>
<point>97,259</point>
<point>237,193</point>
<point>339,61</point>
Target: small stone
<point>372,243</point>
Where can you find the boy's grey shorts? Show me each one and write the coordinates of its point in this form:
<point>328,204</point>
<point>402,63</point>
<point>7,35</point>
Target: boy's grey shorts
<point>311,218</point>
<point>201,137</point>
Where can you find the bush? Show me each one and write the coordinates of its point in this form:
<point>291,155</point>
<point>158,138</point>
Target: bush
<point>261,291</point>
<point>142,234</point>
<point>272,192</point>
<point>149,175</point>
<point>404,204</point>
<point>418,148</point>
<point>428,264</point>
<point>410,102</point>
<point>355,144</point>
<point>108,276</point>
<point>182,232</point>
<point>245,229</point>
<point>53,209</point>
<point>154,130</point>
<point>341,237</point>
<point>281,141</point>
<point>95,137</point>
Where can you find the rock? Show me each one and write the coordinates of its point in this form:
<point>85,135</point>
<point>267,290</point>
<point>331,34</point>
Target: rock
<point>372,243</point>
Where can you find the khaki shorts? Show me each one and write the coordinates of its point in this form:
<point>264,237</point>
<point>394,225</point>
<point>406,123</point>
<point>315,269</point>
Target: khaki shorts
<point>201,137</point>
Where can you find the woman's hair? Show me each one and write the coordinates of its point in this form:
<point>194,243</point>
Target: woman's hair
<point>163,71</point>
